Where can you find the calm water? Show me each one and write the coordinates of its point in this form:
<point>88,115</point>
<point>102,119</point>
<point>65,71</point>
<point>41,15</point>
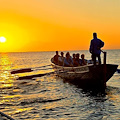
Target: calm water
<point>48,97</point>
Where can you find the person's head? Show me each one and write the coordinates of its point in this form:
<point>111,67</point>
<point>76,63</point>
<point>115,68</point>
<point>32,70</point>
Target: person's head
<point>67,55</point>
<point>62,54</point>
<point>94,35</point>
<point>56,52</point>
<point>73,55</point>
<point>77,55</point>
<point>82,56</point>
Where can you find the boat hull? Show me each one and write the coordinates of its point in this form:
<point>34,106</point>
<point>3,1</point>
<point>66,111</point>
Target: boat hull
<point>88,76</point>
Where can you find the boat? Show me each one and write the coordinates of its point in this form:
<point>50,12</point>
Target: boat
<point>87,76</point>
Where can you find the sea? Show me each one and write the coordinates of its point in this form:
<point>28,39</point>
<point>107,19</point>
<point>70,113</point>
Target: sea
<point>50,98</point>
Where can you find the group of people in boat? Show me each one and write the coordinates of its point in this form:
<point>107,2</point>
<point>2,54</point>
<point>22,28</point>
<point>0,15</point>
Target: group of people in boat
<point>68,60</point>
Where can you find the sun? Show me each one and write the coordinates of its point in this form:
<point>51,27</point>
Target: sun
<point>2,39</point>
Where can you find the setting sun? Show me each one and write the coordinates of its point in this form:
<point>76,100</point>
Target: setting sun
<point>2,39</point>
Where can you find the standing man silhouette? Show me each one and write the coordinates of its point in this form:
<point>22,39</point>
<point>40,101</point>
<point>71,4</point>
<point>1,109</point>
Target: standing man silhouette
<point>95,48</point>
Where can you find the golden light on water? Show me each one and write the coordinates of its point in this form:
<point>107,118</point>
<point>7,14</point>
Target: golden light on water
<point>5,66</point>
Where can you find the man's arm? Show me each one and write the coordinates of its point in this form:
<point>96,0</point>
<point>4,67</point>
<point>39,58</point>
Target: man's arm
<point>101,44</point>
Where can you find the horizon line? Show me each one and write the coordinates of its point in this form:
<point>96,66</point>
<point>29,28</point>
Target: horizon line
<point>51,51</point>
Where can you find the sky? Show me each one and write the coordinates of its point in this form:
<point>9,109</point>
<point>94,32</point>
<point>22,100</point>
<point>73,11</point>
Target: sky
<point>50,25</point>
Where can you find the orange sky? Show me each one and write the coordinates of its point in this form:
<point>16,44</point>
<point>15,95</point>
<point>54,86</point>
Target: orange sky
<point>49,25</point>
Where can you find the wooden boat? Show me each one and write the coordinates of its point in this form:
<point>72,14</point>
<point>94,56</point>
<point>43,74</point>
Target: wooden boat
<point>87,76</point>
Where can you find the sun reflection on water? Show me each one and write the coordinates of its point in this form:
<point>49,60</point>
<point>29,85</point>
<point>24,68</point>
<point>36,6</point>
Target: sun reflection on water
<point>6,80</point>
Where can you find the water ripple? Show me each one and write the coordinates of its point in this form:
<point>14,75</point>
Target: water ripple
<point>39,100</point>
